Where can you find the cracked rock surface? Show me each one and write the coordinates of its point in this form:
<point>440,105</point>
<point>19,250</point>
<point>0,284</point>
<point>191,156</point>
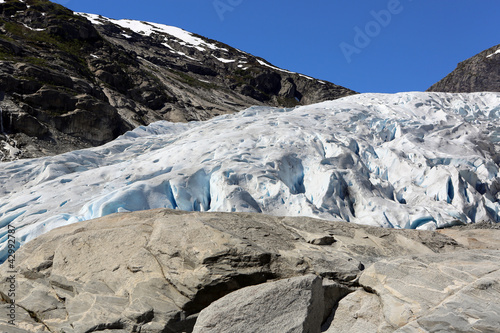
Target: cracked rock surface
<point>453,292</point>
<point>154,271</point>
<point>299,300</point>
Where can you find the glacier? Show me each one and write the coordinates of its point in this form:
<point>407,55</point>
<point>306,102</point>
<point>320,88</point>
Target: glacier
<point>407,160</point>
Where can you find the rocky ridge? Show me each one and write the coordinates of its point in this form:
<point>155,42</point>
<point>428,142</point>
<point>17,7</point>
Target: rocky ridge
<point>77,80</point>
<point>173,271</point>
<point>476,74</point>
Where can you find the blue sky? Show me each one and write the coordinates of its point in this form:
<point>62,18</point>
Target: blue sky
<point>368,46</point>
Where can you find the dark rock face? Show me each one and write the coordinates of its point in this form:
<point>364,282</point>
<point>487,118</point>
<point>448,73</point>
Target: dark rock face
<point>479,73</point>
<point>71,84</point>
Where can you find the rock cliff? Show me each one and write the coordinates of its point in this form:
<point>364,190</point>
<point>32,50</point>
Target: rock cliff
<point>156,270</point>
<point>76,80</point>
<point>479,73</point>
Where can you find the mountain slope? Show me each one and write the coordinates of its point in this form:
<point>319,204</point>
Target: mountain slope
<point>80,80</point>
<point>479,73</point>
<point>410,160</point>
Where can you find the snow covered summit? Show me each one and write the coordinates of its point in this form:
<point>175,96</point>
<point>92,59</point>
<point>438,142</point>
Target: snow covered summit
<point>408,160</point>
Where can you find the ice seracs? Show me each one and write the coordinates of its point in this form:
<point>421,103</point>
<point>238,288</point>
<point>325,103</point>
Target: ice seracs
<point>408,160</point>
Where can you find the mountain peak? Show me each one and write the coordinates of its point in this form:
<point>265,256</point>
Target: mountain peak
<point>74,80</point>
<point>478,73</point>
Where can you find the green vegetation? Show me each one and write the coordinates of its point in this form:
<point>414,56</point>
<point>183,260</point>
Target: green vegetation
<point>73,46</point>
<point>287,102</point>
<point>36,61</point>
<point>6,54</point>
<point>55,40</point>
<point>160,85</point>
<point>10,7</point>
<point>183,77</point>
<point>241,76</point>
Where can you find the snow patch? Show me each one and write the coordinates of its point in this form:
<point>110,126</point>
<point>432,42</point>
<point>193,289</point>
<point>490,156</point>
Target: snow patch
<point>185,55</point>
<point>14,152</point>
<point>496,52</point>
<point>273,67</point>
<point>285,71</point>
<point>149,28</point>
<point>93,18</point>
<point>33,29</point>
<point>307,77</point>
<point>226,61</point>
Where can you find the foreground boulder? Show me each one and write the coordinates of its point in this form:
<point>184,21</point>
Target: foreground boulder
<point>290,305</point>
<point>154,271</point>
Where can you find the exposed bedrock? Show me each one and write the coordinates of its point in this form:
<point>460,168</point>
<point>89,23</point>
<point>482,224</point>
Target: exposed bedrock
<point>154,271</point>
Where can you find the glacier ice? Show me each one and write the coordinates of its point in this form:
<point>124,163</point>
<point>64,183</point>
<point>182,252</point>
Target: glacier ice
<point>407,160</point>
